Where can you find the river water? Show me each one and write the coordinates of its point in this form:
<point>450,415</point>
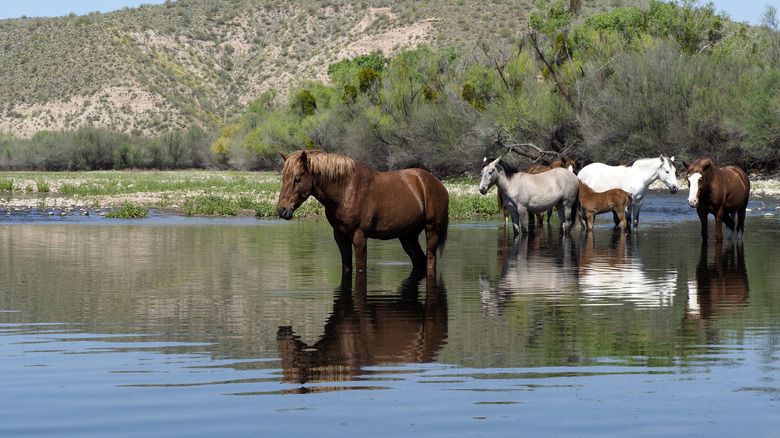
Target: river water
<point>171,326</point>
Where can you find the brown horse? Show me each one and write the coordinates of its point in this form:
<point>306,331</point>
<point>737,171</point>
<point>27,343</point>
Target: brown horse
<point>538,168</point>
<point>722,192</point>
<point>362,203</point>
<point>593,203</point>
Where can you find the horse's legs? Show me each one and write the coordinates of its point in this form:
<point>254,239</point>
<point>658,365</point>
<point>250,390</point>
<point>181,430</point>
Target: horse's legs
<point>361,255</point>
<point>620,218</point>
<point>502,206</point>
<point>345,247</point>
<point>741,222</point>
<point>590,220</point>
<point>728,219</point>
<point>415,252</point>
<point>562,215</point>
<point>703,220</point>
<point>633,211</point>
<point>519,219</point>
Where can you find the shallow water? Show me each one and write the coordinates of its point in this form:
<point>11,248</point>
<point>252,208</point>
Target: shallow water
<point>172,326</point>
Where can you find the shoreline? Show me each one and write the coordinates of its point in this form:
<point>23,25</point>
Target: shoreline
<point>251,193</point>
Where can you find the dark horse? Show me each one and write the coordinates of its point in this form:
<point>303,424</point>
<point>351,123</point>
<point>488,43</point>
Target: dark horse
<point>362,203</point>
<point>722,192</point>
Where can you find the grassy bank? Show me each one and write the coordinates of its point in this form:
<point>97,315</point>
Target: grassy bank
<point>199,192</point>
<point>194,192</point>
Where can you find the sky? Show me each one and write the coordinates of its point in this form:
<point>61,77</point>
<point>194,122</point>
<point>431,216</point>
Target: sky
<point>738,10</point>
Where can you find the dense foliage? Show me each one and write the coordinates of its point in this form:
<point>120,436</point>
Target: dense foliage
<point>674,79</point>
<point>678,79</point>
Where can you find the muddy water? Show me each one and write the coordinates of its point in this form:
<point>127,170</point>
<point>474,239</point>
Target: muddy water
<point>199,327</point>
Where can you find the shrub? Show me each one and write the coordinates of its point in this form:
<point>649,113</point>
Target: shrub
<point>127,211</point>
<point>210,206</point>
<point>6,185</point>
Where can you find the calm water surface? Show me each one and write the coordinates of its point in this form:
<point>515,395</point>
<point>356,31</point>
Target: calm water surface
<point>191,327</point>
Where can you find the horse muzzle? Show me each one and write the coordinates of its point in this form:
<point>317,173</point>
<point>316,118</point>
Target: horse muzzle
<point>673,189</point>
<point>483,190</point>
<point>693,203</point>
<point>285,212</point>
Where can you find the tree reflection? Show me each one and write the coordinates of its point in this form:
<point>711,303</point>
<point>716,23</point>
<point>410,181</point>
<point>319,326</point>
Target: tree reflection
<point>365,330</point>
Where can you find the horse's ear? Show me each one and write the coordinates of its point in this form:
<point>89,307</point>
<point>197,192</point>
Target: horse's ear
<point>686,165</point>
<point>672,159</point>
<point>484,160</point>
<point>284,156</point>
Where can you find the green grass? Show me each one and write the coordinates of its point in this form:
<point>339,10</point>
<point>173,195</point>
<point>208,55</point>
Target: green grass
<point>210,206</point>
<point>127,211</point>
<point>6,185</point>
<point>42,186</point>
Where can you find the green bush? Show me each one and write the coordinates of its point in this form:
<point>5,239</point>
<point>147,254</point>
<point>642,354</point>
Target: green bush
<point>210,205</point>
<point>127,211</point>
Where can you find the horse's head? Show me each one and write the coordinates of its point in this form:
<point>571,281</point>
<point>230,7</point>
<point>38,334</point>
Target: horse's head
<point>697,175</point>
<point>667,174</point>
<point>488,174</point>
<point>569,165</point>
<point>297,184</point>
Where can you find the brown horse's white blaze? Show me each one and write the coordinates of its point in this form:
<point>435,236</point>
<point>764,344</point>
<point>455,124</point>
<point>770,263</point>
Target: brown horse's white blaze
<point>721,192</point>
<point>362,203</point>
<point>693,192</point>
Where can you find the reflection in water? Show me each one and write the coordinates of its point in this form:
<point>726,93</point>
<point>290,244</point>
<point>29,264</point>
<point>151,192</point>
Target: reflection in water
<point>617,272</point>
<point>368,330</point>
<point>720,287</point>
<point>533,265</point>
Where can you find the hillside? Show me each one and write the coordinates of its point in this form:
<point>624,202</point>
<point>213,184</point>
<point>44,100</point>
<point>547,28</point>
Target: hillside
<point>158,67</point>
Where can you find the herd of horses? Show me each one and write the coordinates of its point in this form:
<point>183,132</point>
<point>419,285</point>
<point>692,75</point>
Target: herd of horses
<point>361,202</point>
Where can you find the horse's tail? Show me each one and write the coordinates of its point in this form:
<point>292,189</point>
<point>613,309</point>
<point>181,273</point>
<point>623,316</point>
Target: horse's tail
<point>445,225</point>
<point>575,215</point>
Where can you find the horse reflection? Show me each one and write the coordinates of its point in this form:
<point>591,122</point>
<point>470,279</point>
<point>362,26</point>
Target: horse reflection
<point>364,331</point>
<point>616,272</point>
<point>718,287</point>
<point>538,265</point>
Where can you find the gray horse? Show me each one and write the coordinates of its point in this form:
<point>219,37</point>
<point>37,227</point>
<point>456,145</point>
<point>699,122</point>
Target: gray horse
<point>525,193</point>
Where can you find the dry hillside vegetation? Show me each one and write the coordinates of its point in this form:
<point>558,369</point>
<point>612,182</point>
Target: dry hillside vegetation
<point>160,67</point>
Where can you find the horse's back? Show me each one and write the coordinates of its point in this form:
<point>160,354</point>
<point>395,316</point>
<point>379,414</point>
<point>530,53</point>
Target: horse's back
<point>566,179</point>
<point>410,191</point>
<point>601,177</point>
<point>546,189</point>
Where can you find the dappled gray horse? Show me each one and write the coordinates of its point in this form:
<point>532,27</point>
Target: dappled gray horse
<point>525,193</point>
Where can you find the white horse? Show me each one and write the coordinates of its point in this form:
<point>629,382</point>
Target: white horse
<point>525,193</point>
<point>634,179</point>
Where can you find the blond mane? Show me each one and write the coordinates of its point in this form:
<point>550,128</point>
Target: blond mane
<point>320,164</point>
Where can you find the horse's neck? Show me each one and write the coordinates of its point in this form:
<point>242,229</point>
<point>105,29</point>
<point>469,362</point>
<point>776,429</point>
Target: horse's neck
<point>646,171</point>
<point>503,182</point>
<point>329,192</point>
<point>333,193</point>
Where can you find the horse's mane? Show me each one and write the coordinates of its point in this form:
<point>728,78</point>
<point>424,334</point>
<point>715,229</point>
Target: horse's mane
<point>321,164</point>
<point>507,168</point>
